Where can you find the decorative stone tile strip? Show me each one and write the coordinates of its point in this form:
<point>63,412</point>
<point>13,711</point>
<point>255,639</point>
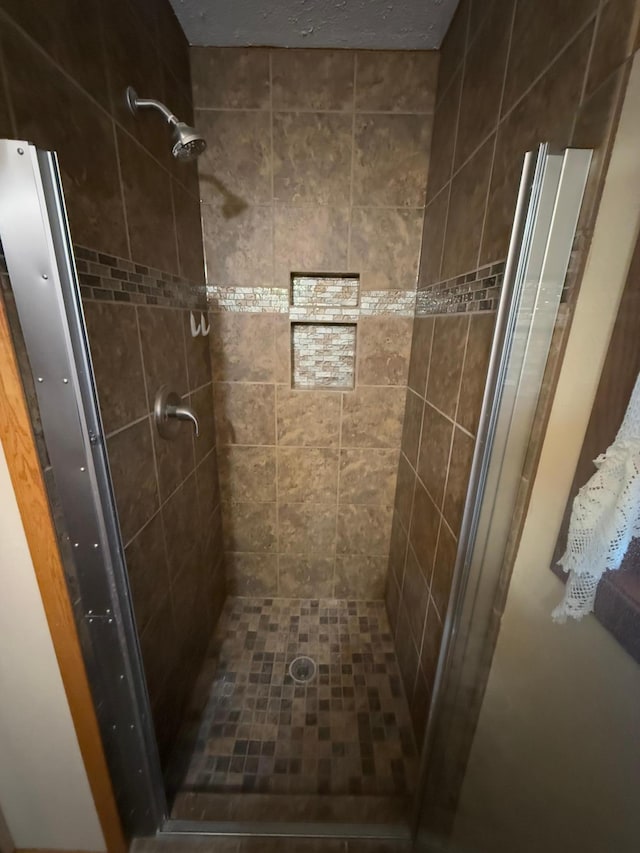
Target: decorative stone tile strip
<point>474,291</point>
<point>270,300</point>
<point>401,303</point>
<point>251,300</point>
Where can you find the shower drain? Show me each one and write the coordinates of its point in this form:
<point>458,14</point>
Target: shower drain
<point>302,669</point>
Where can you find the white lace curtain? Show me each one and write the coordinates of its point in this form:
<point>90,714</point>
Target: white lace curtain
<point>605,517</point>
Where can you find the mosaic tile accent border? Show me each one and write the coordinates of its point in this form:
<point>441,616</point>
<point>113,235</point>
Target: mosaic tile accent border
<point>113,279</point>
<point>346,731</point>
<point>474,291</point>
<point>275,300</point>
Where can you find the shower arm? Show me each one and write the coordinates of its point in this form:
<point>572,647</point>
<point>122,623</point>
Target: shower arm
<point>135,103</point>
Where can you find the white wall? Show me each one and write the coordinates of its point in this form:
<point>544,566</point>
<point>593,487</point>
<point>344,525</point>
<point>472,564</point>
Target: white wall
<point>44,791</point>
<point>555,763</point>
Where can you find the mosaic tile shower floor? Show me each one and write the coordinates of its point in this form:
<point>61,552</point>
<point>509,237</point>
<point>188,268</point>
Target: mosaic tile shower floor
<point>347,731</point>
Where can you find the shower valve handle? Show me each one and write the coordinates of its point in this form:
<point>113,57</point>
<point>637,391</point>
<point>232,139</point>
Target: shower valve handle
<point>169,410</point>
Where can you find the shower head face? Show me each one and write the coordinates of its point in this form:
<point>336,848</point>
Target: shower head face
<point>188,144</point>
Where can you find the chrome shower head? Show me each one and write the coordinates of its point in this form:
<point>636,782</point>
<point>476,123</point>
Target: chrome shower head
<point>187,142</point>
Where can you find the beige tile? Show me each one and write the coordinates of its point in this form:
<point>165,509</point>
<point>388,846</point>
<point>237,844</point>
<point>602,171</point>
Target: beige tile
<point>385,247</point>
<point>311,158</point>
<point>238,156</point>
<point>115,353</point>
<point>243,347</point>
<point>420,354</point>
<point>399,81</point>
<point>397,550</point>
<point>412,427</point>
<point>149,205</point>
<point>415,597</point>
<point>147,571</point>
<point>305,577</point>
<point>282,329</point>
<point>251,574</point>
<point>307,475</point>
<point>458,480</point>
<point>308,418</point>
<point>208,487</point>
<point>175,459</point>
<point>368,476</point>
<point>229,77</point>
<point>55,114</point>
<point>181,529</point>
<point>384,346</point>
<point>133,474</point>
<point>445,125</point>
<point>392,601</point>
<point>201,401</point>
<point>433,458</point>
<point>447,356</point>
<point>529,122</point>
<point>186,211</point>
<point>309,239</point>
<point>238,245</point>
<point>250,527</point>
<point>453,46</point>
<point>423,535</point>
<point>431,644</point>
<point>364,530</point>
<point>443,570</point>
<point>539,34</point>
<point>433,233</point>
<point>474,372</point>
<point>198,354</point>
<point>408,658</point>
<point>483,79</point>
<point>307,528</point>
<point>313,79</point>
<point>163,350</point>
<point>245,413</point>
<point>360,577</point>
<point>247,473</point>
<point>372,417</point>
<point>467,204</point>
<point>404,491</point>
<point>391,159</point>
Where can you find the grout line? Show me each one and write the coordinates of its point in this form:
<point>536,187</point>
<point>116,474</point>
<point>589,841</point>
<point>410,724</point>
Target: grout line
<point>496,131</point>
<point>122,195</point>
<point>335,546</point>
<point>305,111</point>
<point>352,164</point>
<point>77,85</point>
<point>272,173</point>
<point>583,91</point>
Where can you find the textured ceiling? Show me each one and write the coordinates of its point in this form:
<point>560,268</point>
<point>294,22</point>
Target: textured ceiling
<point>374,24</point>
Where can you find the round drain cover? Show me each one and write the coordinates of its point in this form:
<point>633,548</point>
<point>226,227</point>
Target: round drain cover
<point>302,669</point>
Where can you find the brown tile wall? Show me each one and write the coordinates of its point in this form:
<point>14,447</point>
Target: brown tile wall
<point>511,75</point>
<point>63,74</point>
<point>317,162</point>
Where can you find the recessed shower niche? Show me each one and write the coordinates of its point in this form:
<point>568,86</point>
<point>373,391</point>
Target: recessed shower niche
<point>323,315</point>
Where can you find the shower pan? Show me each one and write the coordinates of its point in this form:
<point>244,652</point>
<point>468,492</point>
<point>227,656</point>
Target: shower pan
<point>40,260</point>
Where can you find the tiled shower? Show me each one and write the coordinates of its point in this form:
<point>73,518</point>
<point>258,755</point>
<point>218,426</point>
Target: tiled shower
<point>345,233</point>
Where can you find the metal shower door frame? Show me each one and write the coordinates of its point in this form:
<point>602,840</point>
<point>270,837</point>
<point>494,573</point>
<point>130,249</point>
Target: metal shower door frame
<point>36,241</point>
<point>549,200</point>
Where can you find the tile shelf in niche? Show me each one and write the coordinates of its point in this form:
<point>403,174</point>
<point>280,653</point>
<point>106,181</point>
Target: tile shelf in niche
<point>332,292</point>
